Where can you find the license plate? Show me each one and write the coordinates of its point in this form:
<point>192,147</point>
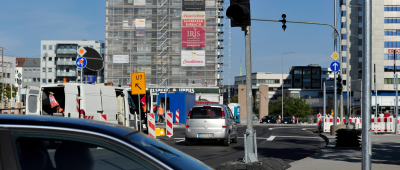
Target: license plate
<point>285,122</point>
<point>205,135</point>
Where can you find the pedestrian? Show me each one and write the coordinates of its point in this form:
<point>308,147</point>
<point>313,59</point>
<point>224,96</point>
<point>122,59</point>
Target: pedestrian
<point>381,115</point>
<point>160,114</point>
<point>387,114</point>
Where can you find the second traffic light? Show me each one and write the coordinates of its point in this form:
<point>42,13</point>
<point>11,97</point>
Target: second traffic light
<point>339,84</point>
<point>239,13</point>
<point>283,21</point>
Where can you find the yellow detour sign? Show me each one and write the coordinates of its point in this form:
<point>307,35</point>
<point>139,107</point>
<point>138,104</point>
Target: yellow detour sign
<point>331,112</point>
<point>335,55</point>
<point>138,83</point>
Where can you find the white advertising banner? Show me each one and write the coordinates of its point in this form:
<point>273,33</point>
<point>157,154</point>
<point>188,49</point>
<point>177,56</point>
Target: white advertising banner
<point>139,2</point>
<point>140,25</point>
<point>193,58</point>
<point>120,58</point>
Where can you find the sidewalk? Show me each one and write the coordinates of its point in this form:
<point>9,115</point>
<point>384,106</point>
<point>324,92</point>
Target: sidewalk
<point>385,156</point>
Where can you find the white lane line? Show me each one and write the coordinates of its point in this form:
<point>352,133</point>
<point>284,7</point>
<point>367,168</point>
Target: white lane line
<point>295,137</point>
<point>180,140</point>
<point>271,138</point>
<point>257,138</point>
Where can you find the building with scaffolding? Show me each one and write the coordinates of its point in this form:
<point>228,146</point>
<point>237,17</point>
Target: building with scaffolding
<point>177,43</point>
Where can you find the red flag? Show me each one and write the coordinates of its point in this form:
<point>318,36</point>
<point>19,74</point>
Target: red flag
<point>143,100</point>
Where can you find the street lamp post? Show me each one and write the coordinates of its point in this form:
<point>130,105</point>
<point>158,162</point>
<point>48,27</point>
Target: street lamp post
<point>283,53</point>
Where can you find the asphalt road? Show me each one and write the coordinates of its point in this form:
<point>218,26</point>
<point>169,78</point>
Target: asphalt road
<point>290,143</point>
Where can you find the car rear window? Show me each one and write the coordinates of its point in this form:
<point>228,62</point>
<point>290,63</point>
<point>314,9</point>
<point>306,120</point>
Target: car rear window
<point>206,113</point>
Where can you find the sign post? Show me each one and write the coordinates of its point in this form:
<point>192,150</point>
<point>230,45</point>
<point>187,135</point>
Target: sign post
<point>81,62</point>
<point>335,67</point>
<point>138,86</point>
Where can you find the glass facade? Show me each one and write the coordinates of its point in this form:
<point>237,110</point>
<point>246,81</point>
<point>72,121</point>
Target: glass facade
<point>154,47</point>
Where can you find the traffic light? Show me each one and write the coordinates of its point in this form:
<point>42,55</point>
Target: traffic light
<point>339,84</point>
<point>239,13</point>
<point>284,21</point>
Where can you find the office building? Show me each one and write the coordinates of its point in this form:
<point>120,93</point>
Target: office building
<point>9,70</point>
<point>385,41</point>
<point>58,59</point>
<point>31,72</point>
<point>155,37</point>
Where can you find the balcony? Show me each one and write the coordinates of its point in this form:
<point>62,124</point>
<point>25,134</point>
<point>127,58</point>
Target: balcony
<point>66,51</point>
<point>66,74</point>
<point>70,63</point>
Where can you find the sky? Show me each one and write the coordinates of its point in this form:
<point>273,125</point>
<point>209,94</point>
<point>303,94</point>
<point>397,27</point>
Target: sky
<point>24,23</point>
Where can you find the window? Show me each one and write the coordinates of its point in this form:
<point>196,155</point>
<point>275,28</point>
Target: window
<point>391,68</point>
<point>343,13</point>
<point>343,70</point>
<point>342,2</point>
<point>33,70</point>
<point>50,80</point>
<point>343,24</point>
<point>50,69</point>
<point>44,81</point>
<point>344,36</point>
<point>287,81</point>
<point>176,24</point>
<point>44,69</point>
<point>50,58</point>
<point>34,79</point>
<point>67,70</point>
<point>50,47</point>
<point>25,70</point>
<point>25,80</point>
<point>392,32</point>
<point>391,56</point>
<point>390,81</point>
<point>392,8</point>
<point>29,79</point>
<point>390,20</point>
<point>343,59</point>
<point>344,47</point>
<point>29,70</point>
<point>44,58</point>
<point>44,47</point>
<point>34,147</point>
<point>206,113</point>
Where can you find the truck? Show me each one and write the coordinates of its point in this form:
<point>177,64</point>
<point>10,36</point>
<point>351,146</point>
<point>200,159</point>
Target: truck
<point>88,101</point>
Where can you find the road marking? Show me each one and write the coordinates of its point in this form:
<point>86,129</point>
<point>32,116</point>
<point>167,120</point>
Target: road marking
<point>180,140</point>
<point>295,137</point>
<point>271,138</point>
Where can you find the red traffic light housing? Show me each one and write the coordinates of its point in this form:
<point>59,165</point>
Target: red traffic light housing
<point>239,13</point>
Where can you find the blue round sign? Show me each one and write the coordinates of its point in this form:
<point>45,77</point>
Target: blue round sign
<point>81,62</point>
<point>335,66</point>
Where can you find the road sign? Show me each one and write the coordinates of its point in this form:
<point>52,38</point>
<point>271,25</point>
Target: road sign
<point>335,55</point>
<point>81,62</point>
<point>138,83</point>
<point>81,51</point>
<point>335,66</point>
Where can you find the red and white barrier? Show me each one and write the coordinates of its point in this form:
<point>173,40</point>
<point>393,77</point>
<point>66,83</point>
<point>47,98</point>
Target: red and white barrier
<point>279,119</point>
<point>327,122</point>
<point>293,120</point>
<point>177,116</point>
<point>151,125</point>
<point>398,125</point>
<point>170,126</point>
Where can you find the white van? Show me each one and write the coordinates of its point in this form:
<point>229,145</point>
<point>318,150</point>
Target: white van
<point>102,103</point>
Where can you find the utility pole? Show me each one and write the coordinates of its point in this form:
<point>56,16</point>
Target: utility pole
<point>324,100</point>
<point>335,49</point>
<point>348,82</point>
<point>366,84</point>
<point>2,72</point>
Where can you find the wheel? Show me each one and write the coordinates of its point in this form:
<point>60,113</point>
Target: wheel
<point>227,140</point>
<point>235,140</point>
<point>188,142</point>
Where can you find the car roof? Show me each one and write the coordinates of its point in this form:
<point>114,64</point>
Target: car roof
<point>201,105</point>
<point>64,122</point>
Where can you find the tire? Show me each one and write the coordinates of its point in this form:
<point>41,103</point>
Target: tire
<point>226,141</point>
<point>235,140</point>
<point>188,142</point>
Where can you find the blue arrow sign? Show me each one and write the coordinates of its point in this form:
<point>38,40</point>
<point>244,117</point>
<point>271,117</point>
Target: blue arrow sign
<point>81,62</point>
<point>335,66</point>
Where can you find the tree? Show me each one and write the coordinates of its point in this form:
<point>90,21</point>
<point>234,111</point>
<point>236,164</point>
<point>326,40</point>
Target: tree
<point>291,107</point>
<point>234,99</point>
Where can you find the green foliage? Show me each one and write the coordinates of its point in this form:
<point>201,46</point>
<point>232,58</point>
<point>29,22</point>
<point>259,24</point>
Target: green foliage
<point>234,99</point>
<point>292,106</point>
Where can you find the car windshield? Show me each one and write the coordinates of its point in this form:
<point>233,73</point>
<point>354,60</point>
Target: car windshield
<point>167,154</point>
<point>206,113</point>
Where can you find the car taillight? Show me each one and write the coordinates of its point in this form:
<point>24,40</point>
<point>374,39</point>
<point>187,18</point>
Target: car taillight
<point>82,114</point>
<point>189,115</point>
<point>223,126</point>
<point>187,126</point>
<point>223,114</point>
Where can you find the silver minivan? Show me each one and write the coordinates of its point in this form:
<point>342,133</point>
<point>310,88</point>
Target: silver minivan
<point>211,122</point>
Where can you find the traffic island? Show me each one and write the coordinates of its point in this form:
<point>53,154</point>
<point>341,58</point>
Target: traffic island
<point>262,164</point>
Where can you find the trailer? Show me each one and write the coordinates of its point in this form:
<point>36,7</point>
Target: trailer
<point>177,101</point>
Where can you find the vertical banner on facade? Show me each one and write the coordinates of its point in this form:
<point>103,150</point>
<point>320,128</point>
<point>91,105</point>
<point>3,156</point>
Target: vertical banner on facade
<point>140,25</point>
<point>193,23</point>
<point>193,58</point>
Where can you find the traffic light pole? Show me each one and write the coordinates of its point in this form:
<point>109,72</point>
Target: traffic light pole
<point>335,101</point>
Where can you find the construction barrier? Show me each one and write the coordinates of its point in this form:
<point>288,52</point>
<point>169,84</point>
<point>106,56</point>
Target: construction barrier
<point>151,125</point>
<point>398,125</point>
<point>177,116</point>
<point>326,123</point>
<point>279,119</point>
<point>170,126</point>
<point>293,120</point>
